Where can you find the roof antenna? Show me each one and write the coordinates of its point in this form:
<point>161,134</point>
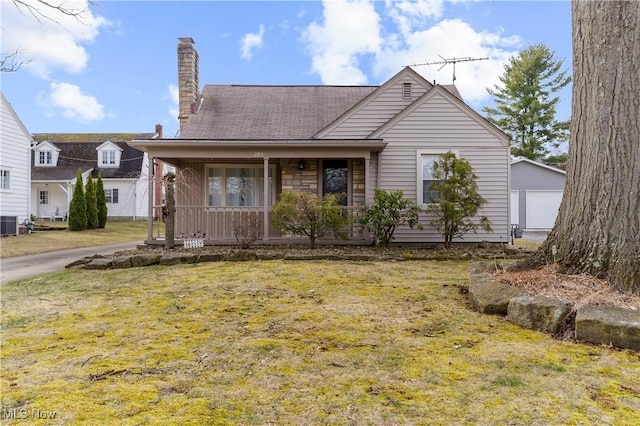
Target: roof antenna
<point>453,61</point>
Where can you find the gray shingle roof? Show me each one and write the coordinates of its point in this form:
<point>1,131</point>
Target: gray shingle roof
<point>269,112</point>
<point>76,153</point>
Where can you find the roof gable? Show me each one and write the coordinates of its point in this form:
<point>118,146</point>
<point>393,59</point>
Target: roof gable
<point>6,106</point>
<point>394,87</point>
<point>523,160</point>
<point>46,146</point>
<point>452,100</point>
<point>109,146</point>
<point>74,156</point>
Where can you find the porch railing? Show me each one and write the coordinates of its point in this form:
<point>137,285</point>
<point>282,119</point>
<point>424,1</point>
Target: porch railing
<point>222,223</point>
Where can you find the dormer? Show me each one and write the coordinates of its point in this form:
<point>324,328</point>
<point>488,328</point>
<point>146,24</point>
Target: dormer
<point>46,155</point>
<point>109,155</point>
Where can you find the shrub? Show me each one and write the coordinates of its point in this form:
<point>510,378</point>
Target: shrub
<point>91,200</point>
<point>458,200</point>
<point>247,232</point>
<point>389,211</point>
<point>101,203</point>
<point>303,213</point>
<point>78,206</point>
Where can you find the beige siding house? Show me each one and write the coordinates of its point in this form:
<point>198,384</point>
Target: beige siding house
<point>241,146</point>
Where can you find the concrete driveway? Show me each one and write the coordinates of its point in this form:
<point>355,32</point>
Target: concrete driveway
<point>538,236</point>
<point>18,267</point>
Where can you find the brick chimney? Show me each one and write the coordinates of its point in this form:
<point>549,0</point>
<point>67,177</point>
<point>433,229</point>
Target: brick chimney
<point>188,78</point>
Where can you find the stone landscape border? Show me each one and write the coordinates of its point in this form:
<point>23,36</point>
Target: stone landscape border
<point>601,325</point>
<point>604,325</point>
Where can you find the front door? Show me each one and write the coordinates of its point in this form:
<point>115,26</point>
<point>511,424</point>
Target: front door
<point>335,179</point>
<point>43,203</point>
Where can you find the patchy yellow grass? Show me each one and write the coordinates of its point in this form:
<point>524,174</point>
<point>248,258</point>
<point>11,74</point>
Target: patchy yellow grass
<point>45,241</point>
<point>278,342</point>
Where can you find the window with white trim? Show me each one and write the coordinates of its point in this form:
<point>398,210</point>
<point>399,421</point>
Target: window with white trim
<point>5,179</point>
<point>45,158</point>
<point>426,195</point>
<point>108,158</point>
<point>43,197</point>
<point>237,185</point>
<point>111,195</point>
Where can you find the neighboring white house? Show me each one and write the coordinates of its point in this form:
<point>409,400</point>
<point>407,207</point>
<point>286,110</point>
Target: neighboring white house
<point>241,146</point>
<point>57,158</point>
<point>536,194</point>
<point>15,154</point>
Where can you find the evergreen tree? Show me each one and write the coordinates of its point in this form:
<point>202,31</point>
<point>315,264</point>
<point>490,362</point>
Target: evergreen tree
<point>101,203</point>
<point>525,102</point>
<point>458,201</point>
<point>78,207</point>
<point>92,204</point>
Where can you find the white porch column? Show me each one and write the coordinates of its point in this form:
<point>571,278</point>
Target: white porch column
<point>151,173</point>
<point>265,198</point>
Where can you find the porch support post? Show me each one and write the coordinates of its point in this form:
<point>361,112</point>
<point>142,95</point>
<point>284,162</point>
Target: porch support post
<point>366,181</point>
<point>265,198</point>
<point>151,178</point>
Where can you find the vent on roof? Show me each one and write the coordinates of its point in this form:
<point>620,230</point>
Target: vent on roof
<point>406,90</point>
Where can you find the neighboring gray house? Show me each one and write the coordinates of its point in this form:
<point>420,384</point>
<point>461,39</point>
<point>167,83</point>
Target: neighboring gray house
<point>57,158</point>
<point>240,147</point>
<point>15,148</point>
<point>536,193</point>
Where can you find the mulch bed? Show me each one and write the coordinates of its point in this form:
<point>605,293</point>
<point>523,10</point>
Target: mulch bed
<point>579,289</point>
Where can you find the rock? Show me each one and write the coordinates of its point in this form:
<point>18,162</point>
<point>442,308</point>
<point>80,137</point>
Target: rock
<point>99,264</point>
<point>211,257</point>
<point>79,263</point>
<point>122,263</point>
<point>490,297</point>
<point>145,259</point>
<point>312,256</point>
<point>173,258</point>
<point>242,255</point>
<point>608,325</point>
<point>367,257</point>
<point>539,313</point>
<point>270,256</point>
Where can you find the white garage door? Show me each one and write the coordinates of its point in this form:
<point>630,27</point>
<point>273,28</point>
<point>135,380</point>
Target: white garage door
<point>542,208</point>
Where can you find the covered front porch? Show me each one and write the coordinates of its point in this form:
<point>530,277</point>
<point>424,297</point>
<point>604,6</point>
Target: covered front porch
<point>224,190</point>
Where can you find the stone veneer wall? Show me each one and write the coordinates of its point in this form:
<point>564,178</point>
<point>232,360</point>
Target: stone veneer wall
<point>296,180</point>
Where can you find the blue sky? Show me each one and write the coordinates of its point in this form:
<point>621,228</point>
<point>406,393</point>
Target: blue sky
<point>115,71</point>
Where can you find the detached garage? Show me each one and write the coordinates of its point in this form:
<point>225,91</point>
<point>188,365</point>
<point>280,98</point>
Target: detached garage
<point>536,193</point>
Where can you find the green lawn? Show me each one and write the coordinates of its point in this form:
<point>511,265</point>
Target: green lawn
<point>44,241</point>
<point>277,342</point>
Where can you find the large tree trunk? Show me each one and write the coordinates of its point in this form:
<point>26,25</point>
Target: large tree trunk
<point>598,227</point>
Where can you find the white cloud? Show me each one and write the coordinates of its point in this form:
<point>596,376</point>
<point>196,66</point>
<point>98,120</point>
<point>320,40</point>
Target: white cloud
<point>49,38</point>
<point>250,42</point>
<point>174,101</point>
<point>68,100</point>
<point>411,13</point>
<point>351,28</point>
<point>452,39</point>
